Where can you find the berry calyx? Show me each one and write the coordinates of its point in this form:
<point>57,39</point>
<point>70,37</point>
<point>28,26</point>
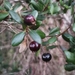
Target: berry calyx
<point>46,57</point>
<point>29,20</point>
<point>34,46</point>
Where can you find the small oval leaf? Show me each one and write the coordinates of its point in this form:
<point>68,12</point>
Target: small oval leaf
<point>41,33</point>
<point>18,38</point>
<point>69,67</point>
<point>70,57</point>
<point>51,9</point>
<point>52,40</point>
<point>3,15</point>
<point>67,37</point>
<point>35,13</point>
<point>15,16</point>
<point>54,31</point>
<point>49,41</point>
<point>35,36</point>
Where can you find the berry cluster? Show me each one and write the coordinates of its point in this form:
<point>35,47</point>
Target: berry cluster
<point>34,46</point>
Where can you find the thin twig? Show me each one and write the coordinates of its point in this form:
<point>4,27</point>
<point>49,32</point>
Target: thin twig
<point>2,30</point>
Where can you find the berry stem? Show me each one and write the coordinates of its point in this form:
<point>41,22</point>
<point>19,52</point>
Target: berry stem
<point>44,71</point>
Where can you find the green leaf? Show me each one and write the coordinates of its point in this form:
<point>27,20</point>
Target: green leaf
<point>3,15</point>
<point>51,47</point>
<point>35,36</point>
<point>15,68</point>
<point>27,1</point>
<point>7,5</point>
<point>16,6</point>
<point>56,8</point>
<point>52,40</point>
<point>73,3</point>
<point>15,16</point>
<point>67,37</point>
<point>72,49</point>
<point>69,67</point>
<point>34,4</point>
<point>1,58</point>
<point>18,38</point>
<point>73,27</point>
<point>41,33</point>
<point>45,2</point>
<point>2,8</point>
<point>38,23</point>
<point>37,5</point>
<point>35,13</point>
<point>73,41</point>
<point>41,17</point>
<point>5,65</point>
<point>51,9</point>
<point>54,31</point>
<point>70,57</point>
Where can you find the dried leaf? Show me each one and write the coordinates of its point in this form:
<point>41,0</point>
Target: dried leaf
<point>23,46</point>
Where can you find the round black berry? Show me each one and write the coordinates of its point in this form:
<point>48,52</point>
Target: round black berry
<point>29,20</point>
<point>34,46</point>
<point>46,57</point>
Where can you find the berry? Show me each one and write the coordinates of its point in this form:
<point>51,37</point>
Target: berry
<point>46,57</point>
<point>34,46</point>
<point>29,20</point>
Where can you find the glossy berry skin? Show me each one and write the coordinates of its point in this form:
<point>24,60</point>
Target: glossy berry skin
<point>34,46</point>
<point>29,20</point>
<point>46,57</point>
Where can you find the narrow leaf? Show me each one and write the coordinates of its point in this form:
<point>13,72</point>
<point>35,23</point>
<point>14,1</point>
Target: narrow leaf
<point>73,27</point>
<point>37,5</point>
<point>15,16</point>
<point>51,47</point>
<point>7,5</point>
<point>54,31</point>
<point>18,38</point>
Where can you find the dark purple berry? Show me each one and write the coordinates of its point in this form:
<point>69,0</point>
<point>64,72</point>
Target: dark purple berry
<point>34,46</point>
<point>29,20</point>
<point>46,57</point>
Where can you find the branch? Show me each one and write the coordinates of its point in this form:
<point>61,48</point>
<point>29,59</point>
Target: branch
<point>68,23</point>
